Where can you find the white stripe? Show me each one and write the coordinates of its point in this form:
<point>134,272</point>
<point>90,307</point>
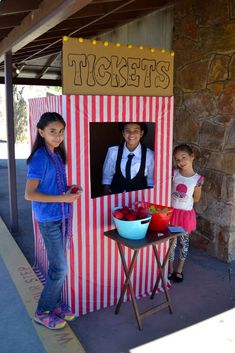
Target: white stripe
<point>91,274</point>
<point>128,107</point>
<point>137,275</point>
<point>90,232</point>
<point>147,118</point>
<point>164,162</point>
<point>170,147</point>
<point>134,108</point>
<point>120,111</point>
<point>105,253</point>
<point>98,253</point>
<point>112,259</point>
<point>149,287</point>
<point>140,113</point>
<point>112,109</point>
<point>76,262</point>
<point>159,123</point>
<point>105,109</point>
<point>97,108</point>
<point>83,203</point>
<point>119,283</point>
<point>144,271</point>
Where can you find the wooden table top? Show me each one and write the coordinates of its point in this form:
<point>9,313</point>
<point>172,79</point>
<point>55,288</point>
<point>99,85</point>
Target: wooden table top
<point>152,237</point>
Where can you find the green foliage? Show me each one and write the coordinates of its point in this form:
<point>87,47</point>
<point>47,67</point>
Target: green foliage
<point>54,89</point>
<point>20,114</point>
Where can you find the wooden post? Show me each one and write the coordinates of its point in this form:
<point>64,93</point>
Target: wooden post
<point>11,143</point>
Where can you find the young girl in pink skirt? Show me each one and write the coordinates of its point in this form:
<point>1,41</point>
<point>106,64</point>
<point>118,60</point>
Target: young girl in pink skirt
<point>186,189</point>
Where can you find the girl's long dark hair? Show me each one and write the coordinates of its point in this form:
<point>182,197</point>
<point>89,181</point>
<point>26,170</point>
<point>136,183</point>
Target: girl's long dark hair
<point>46,119</point>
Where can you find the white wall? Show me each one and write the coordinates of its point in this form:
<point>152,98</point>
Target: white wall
<point>154,30</point>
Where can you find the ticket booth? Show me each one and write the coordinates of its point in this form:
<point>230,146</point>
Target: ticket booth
<point>95,273</point>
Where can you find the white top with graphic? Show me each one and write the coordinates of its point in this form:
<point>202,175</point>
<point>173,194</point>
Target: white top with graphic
<point>183,189</point>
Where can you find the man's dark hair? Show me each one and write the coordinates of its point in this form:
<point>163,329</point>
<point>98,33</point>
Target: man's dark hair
<point>143,126</point>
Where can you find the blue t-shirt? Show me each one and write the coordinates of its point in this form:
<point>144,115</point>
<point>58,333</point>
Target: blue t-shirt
<point>42,168</point>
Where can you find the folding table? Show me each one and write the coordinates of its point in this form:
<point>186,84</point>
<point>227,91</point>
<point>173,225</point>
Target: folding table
<point>152,239</point>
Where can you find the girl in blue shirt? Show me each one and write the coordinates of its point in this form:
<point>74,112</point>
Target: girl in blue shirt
<point>52,199</point>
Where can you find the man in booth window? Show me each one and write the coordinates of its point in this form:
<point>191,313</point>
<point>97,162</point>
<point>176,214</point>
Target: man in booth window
<point>129,166</point>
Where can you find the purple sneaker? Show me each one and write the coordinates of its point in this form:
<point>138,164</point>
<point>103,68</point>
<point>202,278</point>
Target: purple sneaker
<point>64,313</point>
<point>49,320</point>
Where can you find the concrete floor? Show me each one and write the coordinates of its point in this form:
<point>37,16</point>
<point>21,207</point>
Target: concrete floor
<point>207,291</point>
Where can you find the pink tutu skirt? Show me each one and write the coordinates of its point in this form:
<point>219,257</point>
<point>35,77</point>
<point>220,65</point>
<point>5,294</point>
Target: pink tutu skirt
<point>185,219</point>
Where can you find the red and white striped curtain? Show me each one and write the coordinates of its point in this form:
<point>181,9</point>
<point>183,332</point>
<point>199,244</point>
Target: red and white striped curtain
<point>95,273</point>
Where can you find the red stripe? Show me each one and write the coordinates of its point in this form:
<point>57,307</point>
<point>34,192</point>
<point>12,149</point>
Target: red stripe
<point>72,276</point>
<point>109,270</point>
<point>124,107</point>
<point>131,109</point>
<point>102,269</point>
<point>87,199</point>
<point>116,255</point>
<point>95,233</point>
<point>69,175</point>
<point>147,270</point>
<point>95,262</point>
<point>109,108</point>
<point>168,152</point>
<point>141,255</point>
<point>162,156</point>
<point>116,117</point>
<point>79,249</point>
<point>68,140</point>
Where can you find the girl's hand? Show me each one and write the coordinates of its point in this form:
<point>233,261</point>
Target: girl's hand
<point>73,193</point>
<point>32,194</point>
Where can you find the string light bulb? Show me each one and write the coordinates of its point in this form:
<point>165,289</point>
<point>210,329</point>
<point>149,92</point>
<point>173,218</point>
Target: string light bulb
<point>106,43</point>
<point>81,40</point>
<point>18,68</point>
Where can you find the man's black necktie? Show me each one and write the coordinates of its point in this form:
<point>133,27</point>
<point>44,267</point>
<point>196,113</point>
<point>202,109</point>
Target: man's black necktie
<point>128,166</point>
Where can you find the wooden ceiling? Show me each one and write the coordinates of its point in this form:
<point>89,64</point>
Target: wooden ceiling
<point>33,31</point>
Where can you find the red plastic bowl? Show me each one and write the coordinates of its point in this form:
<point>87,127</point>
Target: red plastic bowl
<point>160,221</point>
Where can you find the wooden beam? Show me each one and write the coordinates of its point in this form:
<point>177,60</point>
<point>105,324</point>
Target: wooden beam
<point>10,21</point>
<point>47,65</point>
<point>33,81</point>
<point>11,7</point>
<point>39,21</point>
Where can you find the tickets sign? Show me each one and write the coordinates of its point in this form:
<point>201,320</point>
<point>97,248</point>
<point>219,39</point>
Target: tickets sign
<point>103,68</point>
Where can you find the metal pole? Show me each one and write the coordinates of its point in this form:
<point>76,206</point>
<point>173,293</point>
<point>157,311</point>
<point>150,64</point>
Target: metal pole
<point>11,143</point>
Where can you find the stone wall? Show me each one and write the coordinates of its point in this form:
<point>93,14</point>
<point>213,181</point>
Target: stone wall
<point>204,45</point>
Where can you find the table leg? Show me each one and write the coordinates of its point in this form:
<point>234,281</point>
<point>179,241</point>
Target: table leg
<point>127,284</point>
<point>161,268</point>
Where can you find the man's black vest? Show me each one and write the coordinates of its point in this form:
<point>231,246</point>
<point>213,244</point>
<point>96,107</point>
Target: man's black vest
<point>120,183</point>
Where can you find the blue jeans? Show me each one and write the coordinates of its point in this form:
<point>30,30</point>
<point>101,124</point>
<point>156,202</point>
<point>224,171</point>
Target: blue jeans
<point>51,295</point>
